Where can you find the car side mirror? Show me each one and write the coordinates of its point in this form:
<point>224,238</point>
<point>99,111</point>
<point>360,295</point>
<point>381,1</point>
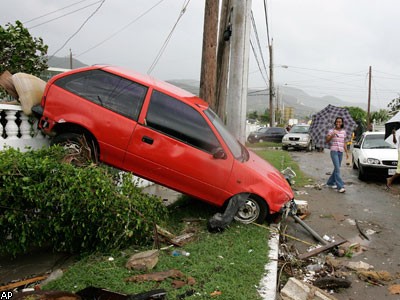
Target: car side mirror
<point>356,146</point>
<point>219,153</point>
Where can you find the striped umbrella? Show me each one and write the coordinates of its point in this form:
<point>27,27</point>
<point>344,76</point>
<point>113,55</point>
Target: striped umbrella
<point>324,120</point>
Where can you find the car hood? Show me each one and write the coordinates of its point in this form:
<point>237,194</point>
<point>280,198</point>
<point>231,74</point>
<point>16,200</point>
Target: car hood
<point>381,154</point>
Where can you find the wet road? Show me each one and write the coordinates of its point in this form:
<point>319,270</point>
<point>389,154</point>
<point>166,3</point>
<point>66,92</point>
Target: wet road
<point>376,210</point>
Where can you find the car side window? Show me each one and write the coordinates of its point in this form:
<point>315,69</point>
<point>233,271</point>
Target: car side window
<point>118,94</point>
<point>180,121</point>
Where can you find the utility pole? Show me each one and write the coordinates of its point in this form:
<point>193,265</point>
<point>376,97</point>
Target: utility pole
<point>224,35</point>
<point>271,88</point>
<point>238,70</point>
<point>369,98</point>
<point>70,58</point>
<point>208,77</point>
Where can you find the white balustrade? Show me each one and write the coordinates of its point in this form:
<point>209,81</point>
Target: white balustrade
<point>17,131</point>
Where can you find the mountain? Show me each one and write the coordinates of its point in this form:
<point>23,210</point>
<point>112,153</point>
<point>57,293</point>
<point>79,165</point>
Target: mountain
<point>303,104</point>
<point>64,63</point>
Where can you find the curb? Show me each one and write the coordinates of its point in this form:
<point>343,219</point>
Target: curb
<point>268,284</point>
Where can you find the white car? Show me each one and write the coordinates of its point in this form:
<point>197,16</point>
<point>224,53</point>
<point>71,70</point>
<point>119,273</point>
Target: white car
<point>373,156</point>
<point>298,138</point>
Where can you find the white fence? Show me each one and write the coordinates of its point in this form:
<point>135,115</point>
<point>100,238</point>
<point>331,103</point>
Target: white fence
<point>18,130</point>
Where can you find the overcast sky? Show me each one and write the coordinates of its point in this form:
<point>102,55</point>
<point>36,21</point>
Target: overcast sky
<point>327,46</point>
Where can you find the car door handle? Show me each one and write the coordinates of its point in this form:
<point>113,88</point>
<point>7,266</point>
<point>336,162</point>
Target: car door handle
<point>147,140</point>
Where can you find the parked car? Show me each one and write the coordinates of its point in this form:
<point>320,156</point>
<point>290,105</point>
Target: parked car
<point>267,134</point>
<point>161,133</point>
<point>372,155</point>
<point>298,138</point>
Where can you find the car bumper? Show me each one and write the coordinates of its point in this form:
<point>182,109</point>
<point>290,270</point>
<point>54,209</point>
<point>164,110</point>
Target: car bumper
<point>381,171</point>
<point>296,144</point>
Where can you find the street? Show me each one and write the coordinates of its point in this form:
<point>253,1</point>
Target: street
<point>336,215</point>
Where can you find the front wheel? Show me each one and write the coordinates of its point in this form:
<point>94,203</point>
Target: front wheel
<point>79,149</point>
<point>361,173</point>
<point>254,210</point>
<point>309,147</point>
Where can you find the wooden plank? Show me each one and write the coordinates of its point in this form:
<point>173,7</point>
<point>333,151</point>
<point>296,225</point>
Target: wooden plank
<point>321,249</point>
<point>21,283</point>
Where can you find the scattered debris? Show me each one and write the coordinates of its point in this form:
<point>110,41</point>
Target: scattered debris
<point>143,261</point>
<point>332,283</point>
<point>321,249</point>
<point>94,293</point>
<point>297,290</point>
<point>360,230</point>
<point>375,277</point>
<point>394,289</point>
<point>360,265</point>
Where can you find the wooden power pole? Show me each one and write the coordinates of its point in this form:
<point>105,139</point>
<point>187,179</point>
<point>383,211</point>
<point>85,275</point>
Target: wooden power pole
<point>208,77</point>
<point>369,99</point>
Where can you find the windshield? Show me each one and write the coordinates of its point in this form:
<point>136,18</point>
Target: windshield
<point>238,151</point>
<point>299,129</point>
<point>376,142</point>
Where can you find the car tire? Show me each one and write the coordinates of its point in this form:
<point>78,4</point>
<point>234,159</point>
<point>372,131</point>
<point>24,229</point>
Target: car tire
<point>284,147</point>
<point>80,148</point>
<point>260,140</point>
<point>254,210</point>
<point>354,163</point>
<point>309,147</point>
<point>361,173</point>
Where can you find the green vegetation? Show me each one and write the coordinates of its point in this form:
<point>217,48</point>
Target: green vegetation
<point>20,52</point>
<point>47,203</point>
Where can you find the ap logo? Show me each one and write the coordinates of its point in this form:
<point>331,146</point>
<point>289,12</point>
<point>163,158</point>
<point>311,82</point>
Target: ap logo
<point>6,295</point>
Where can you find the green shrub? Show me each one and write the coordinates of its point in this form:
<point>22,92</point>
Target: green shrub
<point>47,203</point>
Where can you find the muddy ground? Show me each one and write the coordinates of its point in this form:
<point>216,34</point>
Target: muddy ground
<point>376,210</point>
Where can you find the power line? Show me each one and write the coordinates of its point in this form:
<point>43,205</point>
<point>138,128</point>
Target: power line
<point>79,29</point>
<point>54,11</point>
<point>254,26</point>
<point>67,14</point>
<point>164,46</point>
<point>119,30</point>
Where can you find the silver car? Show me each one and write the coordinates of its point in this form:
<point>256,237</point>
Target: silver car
<point>298,138</point>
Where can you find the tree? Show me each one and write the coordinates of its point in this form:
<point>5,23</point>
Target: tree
<point>358,114</point>
<point>20,52</point>
<point>380,116</point>
<point>394,105</point>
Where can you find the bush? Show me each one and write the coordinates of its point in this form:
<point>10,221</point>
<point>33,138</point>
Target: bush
<point>45,202</point>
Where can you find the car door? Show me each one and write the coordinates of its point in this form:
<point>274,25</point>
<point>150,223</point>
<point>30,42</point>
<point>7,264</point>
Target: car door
<point>174,147</point>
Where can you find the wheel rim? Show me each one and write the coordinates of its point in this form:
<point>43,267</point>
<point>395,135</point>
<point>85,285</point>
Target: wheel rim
<point>249,212</point>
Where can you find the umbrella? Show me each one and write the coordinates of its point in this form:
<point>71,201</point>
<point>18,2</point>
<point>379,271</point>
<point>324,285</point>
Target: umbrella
<point>324,120</point>
<point>393,123</point>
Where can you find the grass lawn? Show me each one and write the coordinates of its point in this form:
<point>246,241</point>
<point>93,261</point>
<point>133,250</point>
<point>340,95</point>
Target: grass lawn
<point>229,264</point>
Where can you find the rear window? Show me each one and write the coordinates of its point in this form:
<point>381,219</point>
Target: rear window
<point>108,90</point>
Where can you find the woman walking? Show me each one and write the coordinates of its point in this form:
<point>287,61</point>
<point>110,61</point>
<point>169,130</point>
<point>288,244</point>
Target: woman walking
<point>336,137</point>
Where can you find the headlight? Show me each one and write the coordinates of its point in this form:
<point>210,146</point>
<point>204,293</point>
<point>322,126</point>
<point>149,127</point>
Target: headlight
<point>373,161</point>
<point>304,139</point>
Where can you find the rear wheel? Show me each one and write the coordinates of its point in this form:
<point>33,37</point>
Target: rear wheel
<point>80,149</point>
<point>284,147</point>
<point>254,210</point>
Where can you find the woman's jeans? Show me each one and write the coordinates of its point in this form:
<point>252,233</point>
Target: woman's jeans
<point>335,178</point>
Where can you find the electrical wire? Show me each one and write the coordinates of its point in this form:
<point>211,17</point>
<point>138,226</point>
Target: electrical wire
<point>266,21</point>
<point>67,14</point>
<point>254,26</point>
<point>119,30</point>
<point>164,46</point>
<point>258,63</point>
<point>54,11</point>
<point>79,29</point>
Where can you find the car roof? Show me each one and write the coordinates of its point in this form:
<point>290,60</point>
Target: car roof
<point>144,79</point>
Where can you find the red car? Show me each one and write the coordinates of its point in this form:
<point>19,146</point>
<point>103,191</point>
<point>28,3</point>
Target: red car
<point>161,133</point>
